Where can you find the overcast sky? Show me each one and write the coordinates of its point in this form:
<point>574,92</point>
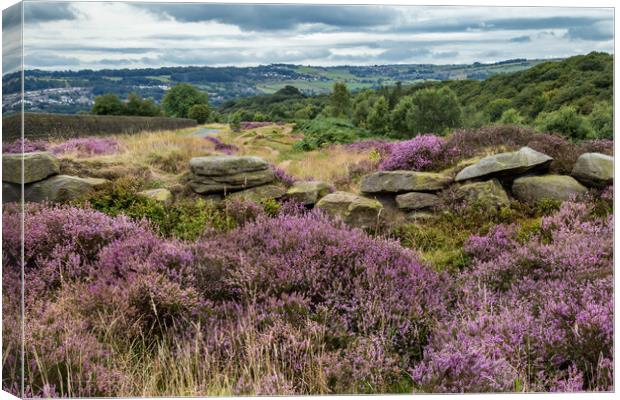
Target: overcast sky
<point>74,36</point>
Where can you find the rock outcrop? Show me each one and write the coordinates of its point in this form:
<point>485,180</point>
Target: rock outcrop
<point>354,210</point>
<point>259,193</point>
<point>416,200</point>
<point>503,164</point>
<point>308,192</point>
<point>594,169</point>
<point>162,195</point>
<point>488,194</point>
<point>404,181</point>
<point>532,189</point>
<point>37,166</point>
<point>223,174</point>
<point>61,188</point>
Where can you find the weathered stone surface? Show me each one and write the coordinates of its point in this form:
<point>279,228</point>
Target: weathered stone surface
<point>308,192</point>
<point>488,194</point>
<point>61,188</point>
<point>355,210</point>
<point>512,163</point>
<point>420,216</point>
<point>230,183</point>
<point>224,174</point>
<point>594,169</point>
<point>532,189</point>
<point>162,195</point>
<point>37,166</point>
<point>226,165</point>
<point>259,193</point>
<point>11,192</point>
<point>404,181</point>
<point>416,200</point>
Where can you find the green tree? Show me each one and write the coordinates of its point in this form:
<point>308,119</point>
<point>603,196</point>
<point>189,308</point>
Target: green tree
<point>602,120</point>
<point>340,100</point>
<point>511,117</point>
<point>199,112</point>
<point>360,113</point>
<point>234,120</point>
<point>379,117</point>
<point>180,98</point>
<point>434,110</point>
<point>136,105</point>
<point>401,115</point>
<point>108,104</point>
<point>566,121</point>
<point>496,108</point>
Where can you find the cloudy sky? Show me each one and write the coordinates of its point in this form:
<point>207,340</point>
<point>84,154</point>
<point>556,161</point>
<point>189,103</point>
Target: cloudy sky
<point>78,35</point>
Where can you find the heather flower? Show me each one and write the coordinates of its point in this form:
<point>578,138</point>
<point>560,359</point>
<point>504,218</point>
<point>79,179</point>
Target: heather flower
<point>221,146</point>
<point>419,154</point>
<point>26,146</point>
<point>88,147</point>
<point>282,176</point>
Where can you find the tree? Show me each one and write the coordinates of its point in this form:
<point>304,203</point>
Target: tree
<point>180,98</point>
<point>435,110</point>
<point>496,108</point>
<point>511,117</point>
<point>566,121</point>
<point>602,120</point>
<point>199,112</point>
<point>340,100</point>
<point>400,115</point>
<point>379,117</point>
<point>136,105</point>
<point>234,120</point>
<point>108,104</point>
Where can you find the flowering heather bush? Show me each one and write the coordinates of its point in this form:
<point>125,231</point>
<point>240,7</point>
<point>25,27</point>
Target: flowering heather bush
<point>383,147</point>
<point>419,154</point>
<point>255,124</point>
<point>88,147</point>
<point>282,176</point>
<point>221,146</point>
<point>25,145</point>
<point>534,314</point>
<point>295,295</point>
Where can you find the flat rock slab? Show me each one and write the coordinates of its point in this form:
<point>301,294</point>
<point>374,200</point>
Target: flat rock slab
<point>356,211</point>
<point>37,166</point>
<point>488,194</point>
<point>226,165</point>
<point>404,181</point>
<point>259,193</point>
<point>224,174</point>
<point>308,192</point>
<point>162,195</point>
<point>61,188</point>
<point>594,169</point>
<point>502,164</point>
<point>416,200</point>
<point>231,183</point>
<point>532,189</point>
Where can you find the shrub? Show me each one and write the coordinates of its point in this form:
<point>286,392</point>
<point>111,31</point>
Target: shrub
<point>532,314</point>
<point>25,145</point>
<point>87,147</point>
<point>566,121</point>
<point>320,132</point>
<point>199,112</point>
<point>511,117</point>
<point>434,110</point>
<point>221,146</point>
<point>602,120</point>
<point>419,154</point>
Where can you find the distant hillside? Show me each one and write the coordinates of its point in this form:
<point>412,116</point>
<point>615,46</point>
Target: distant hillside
<point>580,81</point>
<point>74,91</point>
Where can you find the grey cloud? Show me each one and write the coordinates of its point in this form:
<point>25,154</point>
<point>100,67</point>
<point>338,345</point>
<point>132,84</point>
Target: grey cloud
<point>35,12</point>
<point>521,39</point>
<point>596,32</point>
<point>93,49</point>
<point>11,39</point>
<point>50,60</point>
<point>276,17</point>
<point>445,54</point>
<point>398,54</point>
